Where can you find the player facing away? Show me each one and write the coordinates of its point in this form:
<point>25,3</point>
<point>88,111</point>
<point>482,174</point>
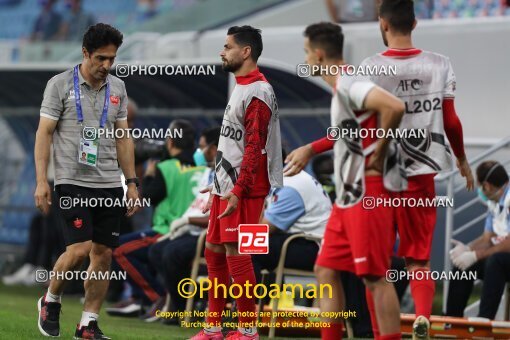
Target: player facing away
<point>248,163</point>
<point>426,83</point>
<point>356,239</point>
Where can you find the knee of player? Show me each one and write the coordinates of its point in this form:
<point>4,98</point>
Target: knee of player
<point>374,282</point>
<point>231,249</point>
<point>101,253</point>
<point>216,248</point>
<point>325,274</point>
<point>79,251</point>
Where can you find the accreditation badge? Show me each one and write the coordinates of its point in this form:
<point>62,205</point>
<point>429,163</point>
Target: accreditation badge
<point>87,152</point>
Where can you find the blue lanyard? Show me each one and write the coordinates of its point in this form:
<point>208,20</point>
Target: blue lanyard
<point>77,99</point>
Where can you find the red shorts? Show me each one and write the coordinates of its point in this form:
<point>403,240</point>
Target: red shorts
<point>226,229</point>
<point>360,240</point>
<point>416,224</point>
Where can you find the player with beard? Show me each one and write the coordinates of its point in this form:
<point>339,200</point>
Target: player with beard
<point>248,163</point>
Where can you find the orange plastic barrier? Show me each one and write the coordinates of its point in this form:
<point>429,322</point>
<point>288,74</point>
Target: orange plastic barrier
<point>445,327</point>
<point>460,328</point>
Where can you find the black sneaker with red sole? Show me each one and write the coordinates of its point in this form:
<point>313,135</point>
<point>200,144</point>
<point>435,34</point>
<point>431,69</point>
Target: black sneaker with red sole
<point>49,315</point>
<point>91,331</point>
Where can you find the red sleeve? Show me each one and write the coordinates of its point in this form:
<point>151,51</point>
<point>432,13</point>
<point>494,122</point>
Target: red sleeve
<point>453,128</point>
<point>256,123</point>
<point>322,145</point>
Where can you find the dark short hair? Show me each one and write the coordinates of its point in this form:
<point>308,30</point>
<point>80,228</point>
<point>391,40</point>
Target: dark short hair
<point>492,172</point>
<point>101,35</point>
<point>318,161</point>
<point>327,36</point>
<point>248,36</point>
<point>399,14</point>
<point>211,135</point>
<point>187,142</point>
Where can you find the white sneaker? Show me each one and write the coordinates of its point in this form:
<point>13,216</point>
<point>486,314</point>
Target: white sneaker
<point>19,276</point>
<point>421,327</point>
<point>30,279</point>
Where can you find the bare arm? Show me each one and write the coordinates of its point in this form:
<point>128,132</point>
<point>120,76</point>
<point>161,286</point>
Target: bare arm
<point>125,151</point>
<point>272,227</point>
<point>483,242</point>
<point>201,222</point>
<point>299,158</point>
<point>391,110</point>
<point>504,246</point>
<point>126,158</point>
<point>43,140</point>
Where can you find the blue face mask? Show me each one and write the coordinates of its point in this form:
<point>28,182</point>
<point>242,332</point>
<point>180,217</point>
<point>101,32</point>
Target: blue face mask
<point>199,158</point>
<point>482,195</point>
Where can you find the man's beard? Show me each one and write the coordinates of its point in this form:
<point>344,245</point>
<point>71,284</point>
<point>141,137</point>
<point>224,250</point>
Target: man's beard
<point>231,67</point>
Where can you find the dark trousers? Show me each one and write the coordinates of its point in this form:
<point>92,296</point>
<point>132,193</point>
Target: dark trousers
<point>301,254</point>
<point>495,272</point>
<point>173,259</point>
<point>45,241</point>
<point>133,256</point>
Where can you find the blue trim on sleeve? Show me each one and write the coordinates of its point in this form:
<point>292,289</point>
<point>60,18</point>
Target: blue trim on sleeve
<point>287,208</point>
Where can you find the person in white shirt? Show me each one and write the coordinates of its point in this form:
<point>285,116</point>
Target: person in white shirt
<point>489,254</point>
<point>300,206</point>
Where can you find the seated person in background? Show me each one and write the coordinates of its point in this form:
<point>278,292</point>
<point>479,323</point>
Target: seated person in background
<point>323,168</point>
<point>173,254</point>
<point>171,186</point>
<point>489,254</point>
<point>300,206</point>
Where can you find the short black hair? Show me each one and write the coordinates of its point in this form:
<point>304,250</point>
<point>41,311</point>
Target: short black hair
<point>492,172</point>
<point>101,35</point>
<point>327,36</point>
<point>211,135</point>
<point>187,142</point>
<point>248,36</point>
<point>317,163</point>
<point>399,14</point>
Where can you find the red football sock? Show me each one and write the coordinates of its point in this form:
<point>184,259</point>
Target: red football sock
<point>396,336</point>
<point>241,269</point>
<point>333,332</point>
<point>373,316</point>
<point>422,290</point>
<point>217,269</point>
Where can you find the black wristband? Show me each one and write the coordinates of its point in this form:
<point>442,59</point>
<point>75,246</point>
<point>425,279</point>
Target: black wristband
<point>133,180</point>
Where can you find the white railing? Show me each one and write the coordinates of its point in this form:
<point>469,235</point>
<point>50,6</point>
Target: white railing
<point>453,189</point>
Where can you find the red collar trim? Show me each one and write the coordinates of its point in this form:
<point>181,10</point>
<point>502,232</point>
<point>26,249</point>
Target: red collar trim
<point>251,77</point>
<point>393,52</point>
